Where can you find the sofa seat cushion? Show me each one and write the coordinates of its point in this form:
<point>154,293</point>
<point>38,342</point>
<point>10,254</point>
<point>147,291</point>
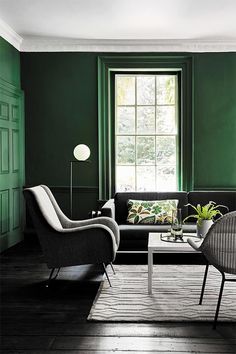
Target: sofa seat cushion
<point>139,232</point>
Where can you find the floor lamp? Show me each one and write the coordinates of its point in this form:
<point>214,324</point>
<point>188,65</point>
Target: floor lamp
<point>81,153</point>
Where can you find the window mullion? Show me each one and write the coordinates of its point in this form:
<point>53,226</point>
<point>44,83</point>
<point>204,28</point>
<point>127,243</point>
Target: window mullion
<point>135,138</point>
<point>155,133</point>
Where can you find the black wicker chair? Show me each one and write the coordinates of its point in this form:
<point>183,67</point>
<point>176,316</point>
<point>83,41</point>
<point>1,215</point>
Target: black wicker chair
<point>219,249</point>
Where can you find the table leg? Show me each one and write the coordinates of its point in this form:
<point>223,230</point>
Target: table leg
<point>150,270</point>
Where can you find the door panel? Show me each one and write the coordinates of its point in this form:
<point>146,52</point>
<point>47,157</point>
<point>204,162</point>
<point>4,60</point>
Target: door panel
<point>11,164</point>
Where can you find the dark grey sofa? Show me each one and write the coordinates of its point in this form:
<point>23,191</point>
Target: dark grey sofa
<point>135,237</point>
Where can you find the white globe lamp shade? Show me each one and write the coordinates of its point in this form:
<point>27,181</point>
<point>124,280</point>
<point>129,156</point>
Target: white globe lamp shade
<point>81,152</point>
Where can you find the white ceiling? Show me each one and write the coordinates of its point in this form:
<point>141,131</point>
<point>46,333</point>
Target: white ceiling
<point>98,24</point>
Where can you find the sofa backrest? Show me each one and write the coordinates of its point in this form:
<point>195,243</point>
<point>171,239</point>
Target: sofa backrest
<point>121,199</point>
<point>227,198</point>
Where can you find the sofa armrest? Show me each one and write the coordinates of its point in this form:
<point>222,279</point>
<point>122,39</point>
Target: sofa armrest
<point>108,209</point>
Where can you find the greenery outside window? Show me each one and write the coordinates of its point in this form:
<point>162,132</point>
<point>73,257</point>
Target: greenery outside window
<point>146,132</point>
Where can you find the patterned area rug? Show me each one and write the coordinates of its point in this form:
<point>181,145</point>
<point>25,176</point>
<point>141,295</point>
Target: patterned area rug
<point>176,291</point>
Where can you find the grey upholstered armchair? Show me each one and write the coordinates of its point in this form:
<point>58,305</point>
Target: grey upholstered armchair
<point>66,242</point>
<point>219,249</point>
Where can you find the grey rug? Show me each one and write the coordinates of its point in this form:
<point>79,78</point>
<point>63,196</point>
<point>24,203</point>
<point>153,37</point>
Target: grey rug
<point>176,291</point>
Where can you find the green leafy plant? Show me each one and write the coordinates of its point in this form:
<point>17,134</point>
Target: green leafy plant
<point>205,212</point>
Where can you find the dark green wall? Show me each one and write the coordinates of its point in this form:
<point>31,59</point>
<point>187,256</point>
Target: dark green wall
<point>61,111</point>
<point>215,120</point>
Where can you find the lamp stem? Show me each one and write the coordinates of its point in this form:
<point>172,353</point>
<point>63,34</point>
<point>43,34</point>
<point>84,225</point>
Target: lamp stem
<point>71,189</point>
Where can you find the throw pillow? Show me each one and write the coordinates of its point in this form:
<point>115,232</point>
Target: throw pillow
<point>151,211</point>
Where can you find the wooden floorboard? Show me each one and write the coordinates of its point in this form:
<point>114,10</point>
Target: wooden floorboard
<point>38,320</point>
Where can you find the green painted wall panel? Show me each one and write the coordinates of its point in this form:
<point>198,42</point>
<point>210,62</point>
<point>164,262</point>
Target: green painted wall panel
<point>4,197</point>
<point>215,120</point>
<point>16,208</point>
<point>4,145</point>
<point>12,147</point>
<point>10,63</point>
<point>61,111</point>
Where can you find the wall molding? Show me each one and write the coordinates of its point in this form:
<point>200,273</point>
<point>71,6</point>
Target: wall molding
<point>37,44</point>
<point>76,189</point>
<point>66,189</point>
<point>50,44</point>
<point>223,189</point>
<point>54,44</point>
<point>10,35</point>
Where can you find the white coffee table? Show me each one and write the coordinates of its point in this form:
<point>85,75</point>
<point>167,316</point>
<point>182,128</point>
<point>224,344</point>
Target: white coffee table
<point>156,245</point>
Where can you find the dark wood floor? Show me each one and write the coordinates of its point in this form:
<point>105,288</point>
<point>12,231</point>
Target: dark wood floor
<point>35,319</point>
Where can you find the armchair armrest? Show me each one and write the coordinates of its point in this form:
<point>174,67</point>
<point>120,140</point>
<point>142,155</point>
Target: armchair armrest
<point>108,209</point>
<point>96,222</point>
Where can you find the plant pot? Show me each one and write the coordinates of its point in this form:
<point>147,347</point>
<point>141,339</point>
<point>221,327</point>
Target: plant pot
<point>203,228</point>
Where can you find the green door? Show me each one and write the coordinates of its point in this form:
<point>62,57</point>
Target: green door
<point>11,164</point>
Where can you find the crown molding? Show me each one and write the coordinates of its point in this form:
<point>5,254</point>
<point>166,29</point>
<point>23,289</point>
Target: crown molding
<point>10,35</point>
<point>50,44</point>
<point>38,44</point>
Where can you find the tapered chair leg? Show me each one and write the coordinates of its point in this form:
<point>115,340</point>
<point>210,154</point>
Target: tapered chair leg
<point>50,277</point>
<point>58,270</point>
<point>112,268</point>
<point>219,300</point>
<point>204,283</point>
<point>104,268</point>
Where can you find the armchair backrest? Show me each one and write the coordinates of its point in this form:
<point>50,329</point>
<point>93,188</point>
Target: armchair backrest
<point>219,245</point>
<point>44,205</point>
<point>45,219</point>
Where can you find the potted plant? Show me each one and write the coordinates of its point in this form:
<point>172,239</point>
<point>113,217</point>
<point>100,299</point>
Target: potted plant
<point>205,215</point>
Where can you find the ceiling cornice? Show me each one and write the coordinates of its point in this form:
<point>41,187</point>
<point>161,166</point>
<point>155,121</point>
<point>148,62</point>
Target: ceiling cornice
<point>49,44</point>
<point>10,35</point>
<point>36,44</point>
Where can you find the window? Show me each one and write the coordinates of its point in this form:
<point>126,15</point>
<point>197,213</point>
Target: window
<point>146,132</point>
<point>180,68</point>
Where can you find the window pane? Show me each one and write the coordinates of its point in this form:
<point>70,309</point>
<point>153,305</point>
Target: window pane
<point>145,150</point>
<point>166,178</point>
<point>166,120</point>
<point>146,90</point>
<point>125,120</point>
<point>125,153</point>
<point>166,150</point>
<point>145,178</point>
<point>125,178</point>
<point>125,90</point>
<point>146,132</point>
<point>165,90</point>
<point>146,120</point>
